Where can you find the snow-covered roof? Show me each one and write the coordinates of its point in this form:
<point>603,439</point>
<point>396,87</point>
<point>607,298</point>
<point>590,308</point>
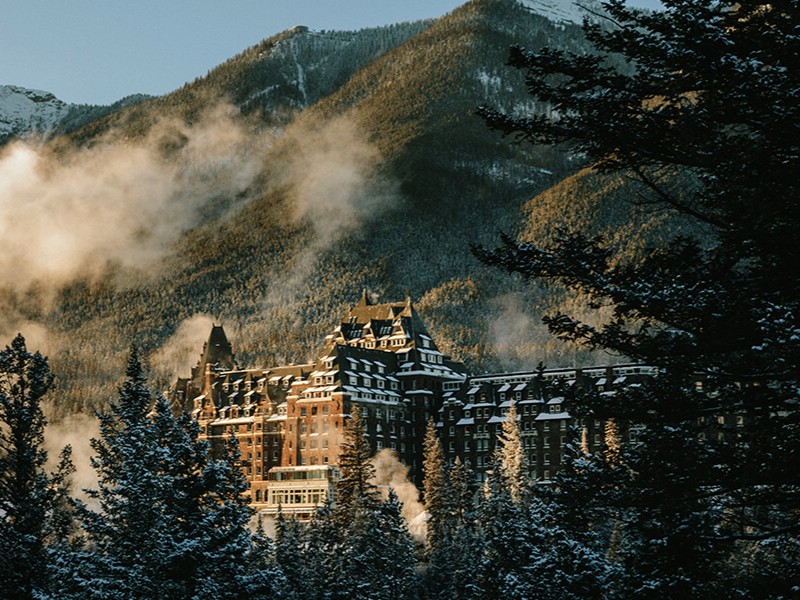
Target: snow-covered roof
<point>552,416</point>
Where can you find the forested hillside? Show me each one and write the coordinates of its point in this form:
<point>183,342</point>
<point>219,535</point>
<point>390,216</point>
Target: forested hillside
<point>269,193</point>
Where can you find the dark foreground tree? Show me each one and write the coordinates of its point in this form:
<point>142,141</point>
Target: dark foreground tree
<point>33,517</point>
<point>170,522</point>
<point>705,120</point>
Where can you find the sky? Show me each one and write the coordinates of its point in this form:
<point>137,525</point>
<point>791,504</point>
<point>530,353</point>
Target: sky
<point>98,51</point>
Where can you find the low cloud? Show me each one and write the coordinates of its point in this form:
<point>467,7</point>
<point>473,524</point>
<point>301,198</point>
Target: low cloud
<point>334,180</point>
<point>515,334</point>
<point>124,203</point>
<point>176,357</point>
<point>75,431</point>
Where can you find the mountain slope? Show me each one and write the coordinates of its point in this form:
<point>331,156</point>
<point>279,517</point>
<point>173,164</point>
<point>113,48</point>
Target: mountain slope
<point>28,112</point>
<point>371,174</point>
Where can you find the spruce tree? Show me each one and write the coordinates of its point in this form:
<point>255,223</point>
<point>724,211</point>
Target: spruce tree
<point>290,556</point>
<point>33,510</point>
<point>355,489</point>
<point>396,553</point>
<point>169,522</point>
<point>510,457</point>
<point>507,548</point>
<point>467,539</point>
<point>263,577</point>
<point>439,581</point>
<point>704,121</point>
<point>357,512</point>
<point>323,556</point>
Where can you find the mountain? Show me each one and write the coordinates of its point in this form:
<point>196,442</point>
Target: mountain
<point>25,112</point>
<point>270,193</point>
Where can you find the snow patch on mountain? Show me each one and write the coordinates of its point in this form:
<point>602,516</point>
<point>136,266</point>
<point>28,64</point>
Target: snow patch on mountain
<point>24,111</point>
<point>561,11</point>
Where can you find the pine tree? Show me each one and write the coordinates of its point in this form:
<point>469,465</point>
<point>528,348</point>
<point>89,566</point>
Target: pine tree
<point>396,553</point>
<point>510,457</point>
<point>466,535</point>
<point>705,119</point>
<point>33,516</point>
<point>355,489</point>
<point>289,555</point>
<point>440,526</point>
<point>172,523</point>
<point>357,512</point>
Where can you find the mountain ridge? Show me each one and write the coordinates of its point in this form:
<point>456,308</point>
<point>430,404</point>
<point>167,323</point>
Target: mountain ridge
<point>278,214</point>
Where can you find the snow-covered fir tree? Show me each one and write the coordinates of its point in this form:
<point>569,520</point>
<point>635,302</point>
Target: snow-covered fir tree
<point>167,520</point>
<point>703,123</point>
<point>439,582</point>
<point>34,517</point>
<point>396,552</point>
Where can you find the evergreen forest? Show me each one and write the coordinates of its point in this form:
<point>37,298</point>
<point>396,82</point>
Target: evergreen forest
<point>661,150</point>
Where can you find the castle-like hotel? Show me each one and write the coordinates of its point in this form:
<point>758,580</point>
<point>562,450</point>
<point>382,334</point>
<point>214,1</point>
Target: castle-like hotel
<point>288,420</point>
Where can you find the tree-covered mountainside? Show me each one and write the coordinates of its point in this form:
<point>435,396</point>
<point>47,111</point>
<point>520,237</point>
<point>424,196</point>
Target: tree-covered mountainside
<point>269,193</point>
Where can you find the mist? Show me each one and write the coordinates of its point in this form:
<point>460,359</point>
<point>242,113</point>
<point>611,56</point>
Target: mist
<point>333,178</point>
<point>391,473</point>
<point>120,203</point>
<point>75,431</point>
<point>176,357</point>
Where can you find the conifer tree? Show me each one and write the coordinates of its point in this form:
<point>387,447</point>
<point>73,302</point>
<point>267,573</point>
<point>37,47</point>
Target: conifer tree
<point>357,512</point>
<point>467,540</point>
<point>511,459</point>
<point>507,548</point>
<point>290,557</point>
<point>32,502</point>
<point>440,526</point>
<point>323,556</point>
<point>396,552</point>
<point>263,577</point>
<point>171,522</point>
<point>355,489</point>
<point>704,117</point>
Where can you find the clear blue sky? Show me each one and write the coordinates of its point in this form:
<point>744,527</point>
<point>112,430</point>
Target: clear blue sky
<point>98,51</point>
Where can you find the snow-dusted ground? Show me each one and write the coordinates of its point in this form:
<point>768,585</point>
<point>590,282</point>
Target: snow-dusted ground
<point>24,111</point>
<point>563,11</point>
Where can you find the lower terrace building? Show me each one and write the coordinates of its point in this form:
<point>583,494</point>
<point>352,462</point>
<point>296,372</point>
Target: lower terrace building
<point>288,420</point>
